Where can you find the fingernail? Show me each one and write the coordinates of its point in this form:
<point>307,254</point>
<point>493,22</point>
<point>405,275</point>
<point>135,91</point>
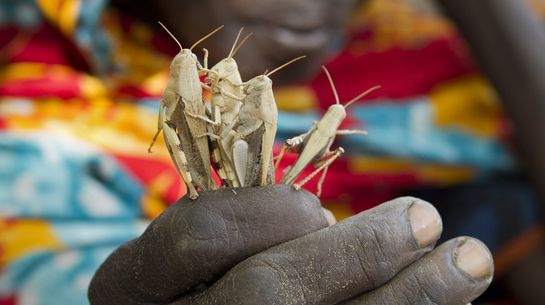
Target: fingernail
<point>474,259</point>
<point>331,220</point>
<point>425,223</point>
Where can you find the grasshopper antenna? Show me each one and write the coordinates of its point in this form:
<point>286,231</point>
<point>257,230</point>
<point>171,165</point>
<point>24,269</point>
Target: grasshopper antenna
<point>241,43</point>
<point>332,85</point>
<point>171,35</point>
<point>235,43</point>
<point>361,95</point>
<point>205,37</point>
<point>284,65</point>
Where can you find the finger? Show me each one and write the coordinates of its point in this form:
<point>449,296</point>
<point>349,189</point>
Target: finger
<point>331,265</point>
<point>455,273</point>
<point>195,241</point>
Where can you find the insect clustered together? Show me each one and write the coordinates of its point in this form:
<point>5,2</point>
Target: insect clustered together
<point>235,137</point>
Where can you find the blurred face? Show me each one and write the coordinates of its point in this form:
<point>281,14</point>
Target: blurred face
<point>283,29</point>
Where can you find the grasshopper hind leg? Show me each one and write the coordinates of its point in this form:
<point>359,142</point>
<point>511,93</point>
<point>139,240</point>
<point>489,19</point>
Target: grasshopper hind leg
<point>321,182</point>
<point>154,140</point>
<point>160,123</point>
<point>279,157</point>
<point>324,165</point>
<point>179,159</point>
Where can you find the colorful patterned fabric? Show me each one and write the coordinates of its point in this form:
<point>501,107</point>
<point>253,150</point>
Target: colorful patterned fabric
<point>79,93</point>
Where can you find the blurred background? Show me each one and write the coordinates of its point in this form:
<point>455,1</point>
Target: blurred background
<point>457,121</point>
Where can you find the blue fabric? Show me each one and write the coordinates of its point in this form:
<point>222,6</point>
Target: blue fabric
<point>23,13</point>
<point>53,176</point>
<point>408,130</point>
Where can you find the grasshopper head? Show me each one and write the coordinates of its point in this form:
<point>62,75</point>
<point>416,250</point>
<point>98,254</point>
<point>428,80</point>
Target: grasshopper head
<point>334,115</point>
<point>257,85</point>
<point>188,54</point>
<point>184,59</point>
<point>176,63</point>
<point>337,110</point>
<point>184,55</point>
<point>227,68</point>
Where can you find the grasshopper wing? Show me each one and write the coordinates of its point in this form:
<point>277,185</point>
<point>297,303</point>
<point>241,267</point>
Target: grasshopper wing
<point>199,167</point>
<point>254,166</point>
<point>313,148</point>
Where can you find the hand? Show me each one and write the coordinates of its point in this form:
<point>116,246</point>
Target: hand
<point>271,245</point>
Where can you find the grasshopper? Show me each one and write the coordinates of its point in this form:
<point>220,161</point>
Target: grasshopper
<point>253,139</point>
<point>314,146</point>
<point>225,84</point>
<point>183,94</point>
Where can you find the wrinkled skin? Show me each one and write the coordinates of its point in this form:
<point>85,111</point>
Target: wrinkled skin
<point>272,245</point>
<point>283,29</point>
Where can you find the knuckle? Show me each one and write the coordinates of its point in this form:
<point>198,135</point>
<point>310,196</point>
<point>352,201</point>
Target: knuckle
<point>183,232</point>
<point>414,291</point>
<point>261,280</point>
<point>376,252</point>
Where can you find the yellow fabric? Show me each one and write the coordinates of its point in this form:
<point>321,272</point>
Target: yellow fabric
<point>119,127</point>
<point>437,174</point>
<point>25,236</point>
<point>62,13</point>
<point>397,24</point>
<point>468,103</point>
<point>295,99</point>
<point>340,210</point>
<point>152,205</point>
<point>140,64</point>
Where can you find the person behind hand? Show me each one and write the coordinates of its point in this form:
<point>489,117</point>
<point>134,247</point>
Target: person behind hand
<point>261,246</point>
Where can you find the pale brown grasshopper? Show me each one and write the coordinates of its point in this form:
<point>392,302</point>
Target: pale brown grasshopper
<point>314,146</point>
<point>253,139</point>
<point>225,85</point>
<point>183,94</point>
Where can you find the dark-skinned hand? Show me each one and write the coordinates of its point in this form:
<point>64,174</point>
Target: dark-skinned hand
<point>273,245</point>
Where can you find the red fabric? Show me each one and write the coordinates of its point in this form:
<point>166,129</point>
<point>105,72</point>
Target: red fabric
<point>41,87</point>
<point>9,300</point>
<point>146,170</point>
<point>47,45</point>
<point>402,73</point>
<point>361,192</point>
<point>133,91</point>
